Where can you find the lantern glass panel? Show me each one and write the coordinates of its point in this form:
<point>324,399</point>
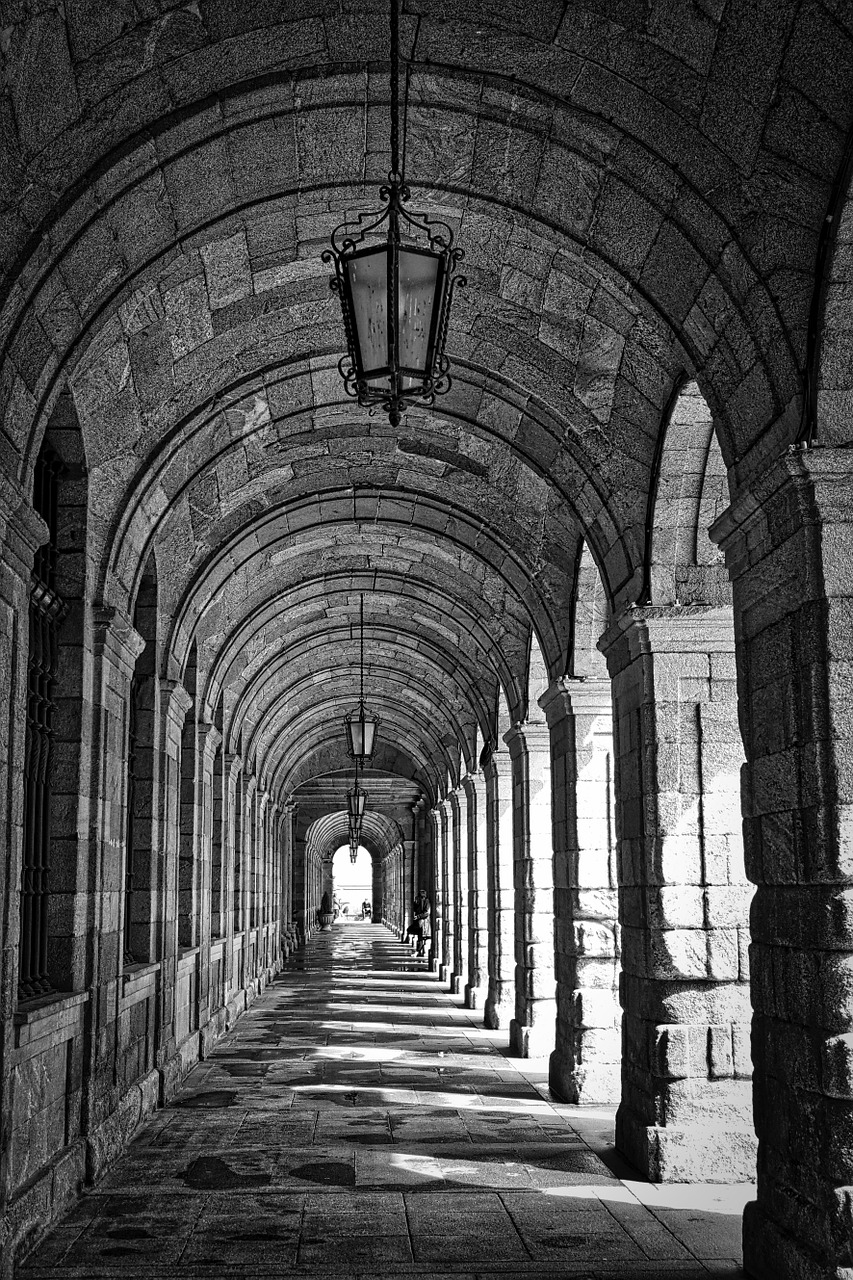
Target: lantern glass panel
<point>368,733</point>
<point>367,275</point>
<point>361,733</point>
<point>419,278</point>
<point>356,801</point>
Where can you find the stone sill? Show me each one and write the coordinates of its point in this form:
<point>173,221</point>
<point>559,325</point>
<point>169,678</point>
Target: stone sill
<point>56,1017</point>
<point>187,960</point>
<point>237,942</point>
<point>138,981</point>
<point>217,948</point>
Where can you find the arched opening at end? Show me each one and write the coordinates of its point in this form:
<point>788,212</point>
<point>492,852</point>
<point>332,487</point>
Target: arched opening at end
<point>352,884</point>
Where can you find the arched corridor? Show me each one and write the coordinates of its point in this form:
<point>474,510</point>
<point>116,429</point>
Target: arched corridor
<point>526,571</point>
<point>361,1120</point>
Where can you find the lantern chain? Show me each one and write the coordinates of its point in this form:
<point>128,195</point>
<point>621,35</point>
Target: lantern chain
<point>395,174</point>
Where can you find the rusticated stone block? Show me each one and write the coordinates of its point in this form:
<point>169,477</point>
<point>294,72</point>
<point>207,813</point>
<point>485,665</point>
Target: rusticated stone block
<point>106,1142</point>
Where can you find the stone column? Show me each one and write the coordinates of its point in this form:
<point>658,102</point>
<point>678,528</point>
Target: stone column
<point>21,534</point>
<point>416,855</point>
<point>500,998</point>
<point>262,886</point>
<point>460,855</point>
<point>447,891</point>
<point>437,947</point>
<point>586,1063</point>
<point>116,646</point>
<point>685,1113</point>
<point>207,741</point>
<point>378,890</point>
<point>249,784</point>
<point>478,909</point>
<point>532,1030</point>
<point>290,808</point>
<point>301,888</point>
<point>409,877</point>
<point>175,702</point>
<point>231,768</point>
<point>424,839</point>
<point>789,549</point>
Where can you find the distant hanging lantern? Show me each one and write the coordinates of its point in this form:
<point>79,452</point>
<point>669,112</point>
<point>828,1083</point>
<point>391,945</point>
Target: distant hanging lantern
<point>356,802</point>
<point>361,724</point>
<point>395,293</point>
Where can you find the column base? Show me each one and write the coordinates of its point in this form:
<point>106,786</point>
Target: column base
<point>473,996</point>
<point>769,1253</point>
<point>530,1042</point>
<point>692,1153</point>
<point>455,983</point>
<point>497,1013</point>
<point>591,1083</point>
<point>443,972</point>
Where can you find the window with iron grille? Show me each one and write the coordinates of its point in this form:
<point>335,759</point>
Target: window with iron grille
<point>45,614</point>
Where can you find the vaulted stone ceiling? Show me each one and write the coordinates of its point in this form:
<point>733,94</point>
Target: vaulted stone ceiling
<point>639,189</point>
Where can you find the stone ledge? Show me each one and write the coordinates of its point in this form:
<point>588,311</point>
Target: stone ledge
<point>54,1017</point>
<point>138,982</point>
<point>187,960</point>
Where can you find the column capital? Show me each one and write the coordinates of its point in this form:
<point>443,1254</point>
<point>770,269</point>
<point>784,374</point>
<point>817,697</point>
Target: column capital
<point>498,765</point>
<point>251,785</point>
<point>576,695</point>
<point>527,735</point>
<point>666,628</point>
<point>209,739</point>
<point>474,784</point>
<point>233,764</point>
<point>176,702</point>
<point>805,486</point>
<point>115,635</point>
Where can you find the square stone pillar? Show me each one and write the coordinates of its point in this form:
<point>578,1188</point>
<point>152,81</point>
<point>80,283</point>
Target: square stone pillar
<point>445,821</point>
<point>685,1113</point>
<point>533,1029</point>
<point>460,849</point>
<point>789,550</point>
<point>476,986</point>
<point>500,998</point>
<point>21,534</point>
<point>438,908</point>
<point>207,743</point>
<point>286,890</point>
<point>303,912</point>
<point>231,767</point>
<point>426,870</point>
<point>175,702</point>
<point>586,1063</point>
<point>249,783</point>
<point>116,646</point>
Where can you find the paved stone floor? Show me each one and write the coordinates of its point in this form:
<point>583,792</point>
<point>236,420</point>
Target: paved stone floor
<point>359,1121</point>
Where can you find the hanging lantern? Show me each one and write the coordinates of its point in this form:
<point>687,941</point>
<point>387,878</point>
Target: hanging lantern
<point>356,802</point>
<point>395,276</point>
<point>353,851</point>
<point>361,724</point>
